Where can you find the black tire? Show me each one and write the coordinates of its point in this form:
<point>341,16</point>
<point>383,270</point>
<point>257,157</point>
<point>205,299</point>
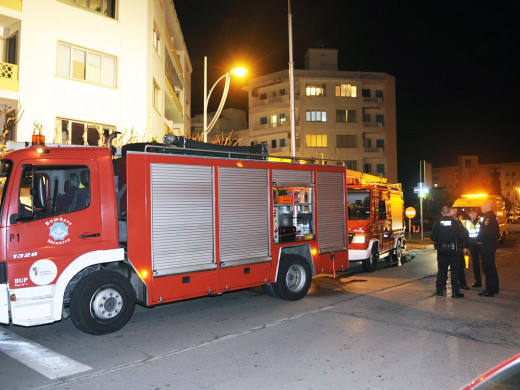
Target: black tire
<point>269,290</point>
<point>372,262</point>
<point>502,238</point>
<point>102,302</point>
<point>294,278</point>
<point>397,253</point>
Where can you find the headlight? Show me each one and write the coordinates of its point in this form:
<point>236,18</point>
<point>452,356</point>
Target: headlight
<point>359,239</point>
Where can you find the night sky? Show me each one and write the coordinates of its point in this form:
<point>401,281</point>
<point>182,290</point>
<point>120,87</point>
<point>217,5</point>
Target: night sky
<point>455,63</point>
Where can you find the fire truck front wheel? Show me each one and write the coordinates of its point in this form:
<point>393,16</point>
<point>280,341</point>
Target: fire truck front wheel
<point>102,302</point>
<point>372,262</point>
<point>294,278</point>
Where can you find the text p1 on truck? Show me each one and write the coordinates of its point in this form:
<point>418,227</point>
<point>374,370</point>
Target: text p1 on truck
<point>376,226</point>
<point>88,236</point>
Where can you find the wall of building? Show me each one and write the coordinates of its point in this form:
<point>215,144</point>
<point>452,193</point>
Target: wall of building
<point>46,95</point>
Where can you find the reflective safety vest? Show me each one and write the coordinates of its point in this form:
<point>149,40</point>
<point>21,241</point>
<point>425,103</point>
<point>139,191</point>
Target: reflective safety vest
<point>472,228</point>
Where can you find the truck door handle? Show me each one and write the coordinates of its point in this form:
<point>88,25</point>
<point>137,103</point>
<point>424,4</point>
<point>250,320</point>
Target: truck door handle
<point>89,235</point>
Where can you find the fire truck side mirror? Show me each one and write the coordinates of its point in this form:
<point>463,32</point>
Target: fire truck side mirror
<point>39,197</point>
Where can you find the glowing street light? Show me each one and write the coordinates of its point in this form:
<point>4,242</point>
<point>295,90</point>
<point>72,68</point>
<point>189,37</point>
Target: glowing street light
<point>239,72</point>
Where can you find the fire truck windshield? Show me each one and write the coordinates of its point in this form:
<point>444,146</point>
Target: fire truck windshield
<point>358,204</point>
<point>5,168</point>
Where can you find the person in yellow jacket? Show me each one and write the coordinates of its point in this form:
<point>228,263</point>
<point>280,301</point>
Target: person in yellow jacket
<point>473,227</point>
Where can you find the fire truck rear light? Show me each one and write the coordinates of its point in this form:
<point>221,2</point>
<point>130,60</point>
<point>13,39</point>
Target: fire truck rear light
<point>144,273</point>
<point>359,239</point>
<point>314,251</point>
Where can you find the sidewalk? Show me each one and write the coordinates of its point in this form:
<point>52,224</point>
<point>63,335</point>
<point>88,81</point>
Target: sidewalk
<point>415,241</point>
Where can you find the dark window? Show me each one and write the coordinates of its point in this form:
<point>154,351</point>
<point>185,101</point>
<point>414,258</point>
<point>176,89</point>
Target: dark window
<point>273,143</point>
<point>46,191</point>
<point>263,120</point>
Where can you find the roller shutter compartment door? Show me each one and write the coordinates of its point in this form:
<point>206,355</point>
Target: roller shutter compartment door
<point>330,211</point>
<point>243,216</point>
<point>292,178</point>
<point>182,218</point>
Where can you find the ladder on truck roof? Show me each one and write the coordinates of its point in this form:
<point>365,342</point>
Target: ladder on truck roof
<point>361,178</point>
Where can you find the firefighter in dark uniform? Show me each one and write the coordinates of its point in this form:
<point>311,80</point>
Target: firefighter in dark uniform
<point>447,233</point>
<point>488,240</point>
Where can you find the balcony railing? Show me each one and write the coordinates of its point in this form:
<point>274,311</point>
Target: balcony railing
<point>9,76</point>
<point>12,4</point>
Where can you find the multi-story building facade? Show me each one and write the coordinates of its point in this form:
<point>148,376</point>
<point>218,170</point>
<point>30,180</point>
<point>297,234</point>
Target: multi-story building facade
<point>470,177</point>
<point>340,116</point>
<point>81,69</point>
<point>230,120</point>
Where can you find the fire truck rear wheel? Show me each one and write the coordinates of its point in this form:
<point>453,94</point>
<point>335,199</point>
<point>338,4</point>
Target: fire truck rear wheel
<point>294,278</point>
<point>102,303</point>
<point>397,254</point>
<point>372,262</point>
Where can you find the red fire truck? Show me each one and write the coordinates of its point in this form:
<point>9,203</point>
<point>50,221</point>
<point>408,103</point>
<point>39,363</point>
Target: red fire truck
<point>376,226</point>
<point>87,235</point>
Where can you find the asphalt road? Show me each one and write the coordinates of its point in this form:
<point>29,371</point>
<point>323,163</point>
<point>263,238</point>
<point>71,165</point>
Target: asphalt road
<point>381,330</point>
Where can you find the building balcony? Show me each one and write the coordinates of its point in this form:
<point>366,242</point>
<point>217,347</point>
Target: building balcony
<point>15,5</point>
<point>373,100</point>
<point>9,76</point>
<point>274,101</point>
<point>373,124</point>
<point>374,152</point>
<point>281,126</point>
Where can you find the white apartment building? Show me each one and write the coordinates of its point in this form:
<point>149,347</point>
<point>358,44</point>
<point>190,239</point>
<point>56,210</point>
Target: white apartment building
<point>339,115</point>
<point>82,69</point>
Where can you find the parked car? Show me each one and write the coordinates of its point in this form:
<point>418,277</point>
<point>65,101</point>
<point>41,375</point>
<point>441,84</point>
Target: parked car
<point>504,376</point>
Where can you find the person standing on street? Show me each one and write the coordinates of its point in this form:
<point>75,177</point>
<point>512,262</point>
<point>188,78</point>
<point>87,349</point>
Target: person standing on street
<point>473,228</point>
<point>462,264</point>
<point>487,238</point>
<point>447,233</point>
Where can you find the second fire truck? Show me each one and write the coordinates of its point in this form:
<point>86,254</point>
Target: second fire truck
<point>376,226</point>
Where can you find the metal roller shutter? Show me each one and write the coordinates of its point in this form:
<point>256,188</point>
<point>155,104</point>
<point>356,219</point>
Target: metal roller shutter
<point>243,216</point>
<point>182,218</point>
<point>291,178</point>
<point>331,211</point>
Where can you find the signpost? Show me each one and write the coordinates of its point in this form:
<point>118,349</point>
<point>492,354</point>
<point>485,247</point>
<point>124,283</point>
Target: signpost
<point>421,191</point>
<point>410,213</point>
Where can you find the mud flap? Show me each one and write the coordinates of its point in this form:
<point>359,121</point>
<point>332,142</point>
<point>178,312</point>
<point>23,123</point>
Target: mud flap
<point>4,304</point>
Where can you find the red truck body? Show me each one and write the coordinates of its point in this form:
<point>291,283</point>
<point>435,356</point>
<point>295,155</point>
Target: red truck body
<point>87,235</point>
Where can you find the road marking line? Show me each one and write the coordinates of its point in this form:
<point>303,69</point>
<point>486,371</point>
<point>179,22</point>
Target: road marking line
<point>43,360</point>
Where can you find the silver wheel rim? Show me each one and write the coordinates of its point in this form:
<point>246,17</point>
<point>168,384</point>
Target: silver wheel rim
<point>295,278</point>
<point>106,303</point>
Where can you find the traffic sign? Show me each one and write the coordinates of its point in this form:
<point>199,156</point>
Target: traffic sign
<point>410,212</point>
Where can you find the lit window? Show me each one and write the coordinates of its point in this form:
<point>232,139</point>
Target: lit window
<point>104,7</point>
<point>274,120</point>
<point>81,64</point>
<point>316,140</point>
<point>346,90</point>
<point>316,116</point>
<point>315,90</point>
<point>283,119</point>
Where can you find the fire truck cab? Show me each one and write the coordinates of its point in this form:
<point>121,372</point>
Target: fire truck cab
<point>376,226</point>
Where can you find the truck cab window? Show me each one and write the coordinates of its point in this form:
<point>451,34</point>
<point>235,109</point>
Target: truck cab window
<point>358,205</point>
<point>46,191</point>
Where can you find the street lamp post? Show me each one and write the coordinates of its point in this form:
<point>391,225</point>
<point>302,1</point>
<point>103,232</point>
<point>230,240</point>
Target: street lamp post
<point>240,72</point>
